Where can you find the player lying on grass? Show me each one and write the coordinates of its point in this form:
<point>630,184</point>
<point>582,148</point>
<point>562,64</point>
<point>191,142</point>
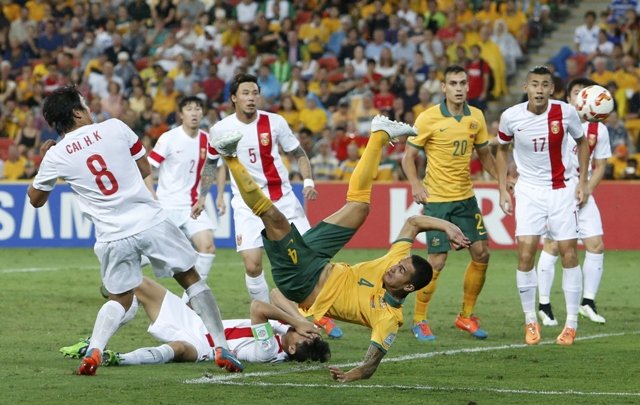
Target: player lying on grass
<point>270,335</point>
<point>369,293</point>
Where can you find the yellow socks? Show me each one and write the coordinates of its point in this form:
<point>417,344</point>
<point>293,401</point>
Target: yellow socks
<point>473,282</point>
<point>423,297</point>
<point>367,168</point>
<point>249,190</point>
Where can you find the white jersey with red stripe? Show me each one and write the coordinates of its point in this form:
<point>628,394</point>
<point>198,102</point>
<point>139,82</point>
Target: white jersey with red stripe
<point>180,159</point>
<point>599,148</point>
<point>98,162</point>
<point>240,339</point>
<point>540,142</point>
<point>258,150</point>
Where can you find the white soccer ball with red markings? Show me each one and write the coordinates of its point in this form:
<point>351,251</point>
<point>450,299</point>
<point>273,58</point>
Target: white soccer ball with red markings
<point>594,103</point>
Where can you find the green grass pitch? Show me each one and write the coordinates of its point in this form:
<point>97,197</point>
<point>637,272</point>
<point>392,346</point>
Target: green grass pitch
<point>50,298</point>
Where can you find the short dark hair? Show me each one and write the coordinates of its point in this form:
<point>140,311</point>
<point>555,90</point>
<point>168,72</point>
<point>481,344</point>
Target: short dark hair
<point>59,106</point>
<point>243,78</point>
<point>580,81</point>
<point>539,70</point>
<point>314,350</point>
<point>590,13</point>
<point>422,274</point>
<point>453,69</point>
<point>189,100</point>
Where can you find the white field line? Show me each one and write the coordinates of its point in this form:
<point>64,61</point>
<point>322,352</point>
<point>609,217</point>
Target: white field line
<point>226,379</point>
<point>429,388</point>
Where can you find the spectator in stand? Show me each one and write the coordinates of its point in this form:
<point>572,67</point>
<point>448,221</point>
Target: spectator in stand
<point>397,111</point>
<point>404,49</point>
<point>324,164</point>
<point>585,37</point>
<point>374,48</point>
<point>166,99</point>
<point>386,66</point>
<point>246,11</point>
<point>115,49</point>
<point>391,33</point>
<point>359,62</point>
<point>517,23</point>
<point>185,80</point>
<point>478,72</point>
<point>113,104</point>
<point>342,115</point>
<point>228,64</point>
<point>448,33</point>
<point>269,86</point>
<point>425,101</point>
<point>124,69</point>
<point>431,48</point>
<point>434,19</point>
<point>347,166</point>
<point>605,47</point>
<point>383,99</point>
<point>312,116</point>
<point>29,135</point>
<point>364,113</point>
<point>618,134</point>
<point>289,112</point>
<point>157,127</point>
<point>378,19</point>
<point>15,165</point>
<point>139,10</point>
<point>490,53</point>
<point>50,40</point>
<point>213,85</point>
<point>508,46</point>
<point>349,44</point>
<point>488,13</point>
<point>601,75</point>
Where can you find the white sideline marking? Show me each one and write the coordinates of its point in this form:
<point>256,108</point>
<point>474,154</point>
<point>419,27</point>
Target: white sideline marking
<point>431,388</point>
<point>226,379</point>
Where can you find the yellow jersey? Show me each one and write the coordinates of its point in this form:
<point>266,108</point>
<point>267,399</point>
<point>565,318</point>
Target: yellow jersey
<point>448,142</point>
<point>356,294</point>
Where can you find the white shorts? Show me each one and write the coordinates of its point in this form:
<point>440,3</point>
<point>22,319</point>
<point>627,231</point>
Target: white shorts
<point>168,250</point>
<point>248,226</point>
<point>540,210</point>
<point>589,220</point>
<point>182,219</point>
<point>176,321</point>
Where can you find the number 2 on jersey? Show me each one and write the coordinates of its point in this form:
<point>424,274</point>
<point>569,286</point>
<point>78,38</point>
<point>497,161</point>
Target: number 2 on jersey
<point>101,172</point>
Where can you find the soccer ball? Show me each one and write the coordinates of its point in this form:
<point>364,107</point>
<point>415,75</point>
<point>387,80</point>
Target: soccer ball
<point>594,103</point>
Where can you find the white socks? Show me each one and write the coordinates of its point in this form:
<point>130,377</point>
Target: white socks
<point>204,304</point>
<point>572,287</point>
<point>526,281</point>
<point>546,272</point>
<point>131,313</point>
<point>148,355</point>
<point>107,323</point>
<point>592,271</point>
<point>204,263</point>
<point>257,287</point>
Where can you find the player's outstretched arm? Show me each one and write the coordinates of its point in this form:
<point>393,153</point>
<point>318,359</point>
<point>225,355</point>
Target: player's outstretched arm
<point>420,223</point>
<point>262,312</point>
<point>304,164</point>
<point>364,371</point>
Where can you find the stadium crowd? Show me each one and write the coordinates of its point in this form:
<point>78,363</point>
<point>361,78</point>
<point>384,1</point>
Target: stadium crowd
<point>327,66</point>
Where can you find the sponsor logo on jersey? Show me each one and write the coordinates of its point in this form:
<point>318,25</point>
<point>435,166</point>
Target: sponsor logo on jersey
<point>239,239</point>
<point>555,127</point>
<point>265,138</point>
<point>473,124</point>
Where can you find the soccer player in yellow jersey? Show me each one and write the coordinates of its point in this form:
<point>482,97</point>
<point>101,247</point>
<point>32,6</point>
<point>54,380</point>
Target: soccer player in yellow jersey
<point>369,293</point>
<point>447,133</point>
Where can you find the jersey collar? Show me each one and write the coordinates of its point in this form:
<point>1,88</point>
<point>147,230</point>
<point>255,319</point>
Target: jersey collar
<point>445,111</point>
<point>393,301</point>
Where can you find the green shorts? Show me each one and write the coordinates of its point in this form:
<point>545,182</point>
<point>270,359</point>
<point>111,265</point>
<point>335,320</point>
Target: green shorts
<point>465,214</point>
<point>297,260</point>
